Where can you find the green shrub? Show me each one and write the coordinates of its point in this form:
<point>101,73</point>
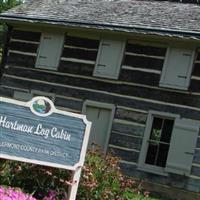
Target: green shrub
<point>101,179</point>
<point>34,179</point>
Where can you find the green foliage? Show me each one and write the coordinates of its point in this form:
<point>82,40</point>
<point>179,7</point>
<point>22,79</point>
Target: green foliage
<point>101,180</point>
<point>34,179</point>
<point>7,4</point>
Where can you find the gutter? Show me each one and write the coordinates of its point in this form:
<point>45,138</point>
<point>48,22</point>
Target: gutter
<point>129,28</point>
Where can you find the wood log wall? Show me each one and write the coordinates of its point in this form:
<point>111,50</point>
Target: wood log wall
<point>135,92</point>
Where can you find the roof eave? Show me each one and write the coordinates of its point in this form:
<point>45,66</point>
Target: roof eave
<point>112,27</point>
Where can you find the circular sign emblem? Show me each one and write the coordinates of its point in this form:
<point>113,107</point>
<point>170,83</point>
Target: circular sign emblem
<point>42,106</point>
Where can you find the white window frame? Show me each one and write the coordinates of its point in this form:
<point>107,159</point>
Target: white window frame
<point>143,153</point>
<point>164,70</point>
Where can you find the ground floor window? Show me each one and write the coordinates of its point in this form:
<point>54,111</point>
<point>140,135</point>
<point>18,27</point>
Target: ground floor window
<point>159,141</point>
<point>168,144</point>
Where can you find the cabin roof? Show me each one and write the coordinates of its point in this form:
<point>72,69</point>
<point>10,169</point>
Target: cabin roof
<point>147,16</point>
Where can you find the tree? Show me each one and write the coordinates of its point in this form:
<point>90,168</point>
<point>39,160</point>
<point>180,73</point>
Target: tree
<point>7,4</point>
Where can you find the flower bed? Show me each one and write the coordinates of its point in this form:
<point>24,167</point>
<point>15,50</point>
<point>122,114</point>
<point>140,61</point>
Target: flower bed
<point>13,194</point>
<point>101,180</point>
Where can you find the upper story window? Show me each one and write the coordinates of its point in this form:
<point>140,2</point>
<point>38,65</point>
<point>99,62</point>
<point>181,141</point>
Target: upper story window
<point>50,51</point>
<point>87,55</point>
<point>173,64</point>
<point>144,57</point>
<point>177,68</point>
<point>168,144</point>
<point>109,58</point>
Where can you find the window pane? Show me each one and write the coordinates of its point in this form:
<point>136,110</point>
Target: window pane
<point>151,153</point>
<point>156,129</point>
<point>167,130</point>
<point>162,155</point>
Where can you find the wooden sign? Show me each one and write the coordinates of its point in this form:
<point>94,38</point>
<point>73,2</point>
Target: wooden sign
<point>36,132</point>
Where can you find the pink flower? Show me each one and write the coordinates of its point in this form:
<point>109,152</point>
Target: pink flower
<point>51,195</point>
<point>13,194</point>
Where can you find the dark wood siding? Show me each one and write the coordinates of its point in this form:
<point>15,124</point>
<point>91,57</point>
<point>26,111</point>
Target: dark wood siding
<point>195,80</point>
<point>26,35</point>
<point>23,48</point>
<point>135,92</point>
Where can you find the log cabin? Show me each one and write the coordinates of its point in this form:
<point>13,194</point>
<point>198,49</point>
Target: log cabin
<point>133,67</point>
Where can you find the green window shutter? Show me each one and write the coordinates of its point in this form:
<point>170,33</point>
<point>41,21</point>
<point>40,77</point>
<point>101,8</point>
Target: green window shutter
<point>177,68</point>
<point>182,146</point>
<point>49,51</point>
<point>109,58</point>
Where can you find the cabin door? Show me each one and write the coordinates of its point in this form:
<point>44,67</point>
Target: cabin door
<point>101,119</point>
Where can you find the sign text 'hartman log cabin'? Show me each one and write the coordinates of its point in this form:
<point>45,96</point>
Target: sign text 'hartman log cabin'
<point>36,132</point>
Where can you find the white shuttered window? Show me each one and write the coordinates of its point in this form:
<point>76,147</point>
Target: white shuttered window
<point>109,58</point>
<point>49,51</point>
<point>177,68</point>
<point>168,144</point>
<point>182,147</point>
